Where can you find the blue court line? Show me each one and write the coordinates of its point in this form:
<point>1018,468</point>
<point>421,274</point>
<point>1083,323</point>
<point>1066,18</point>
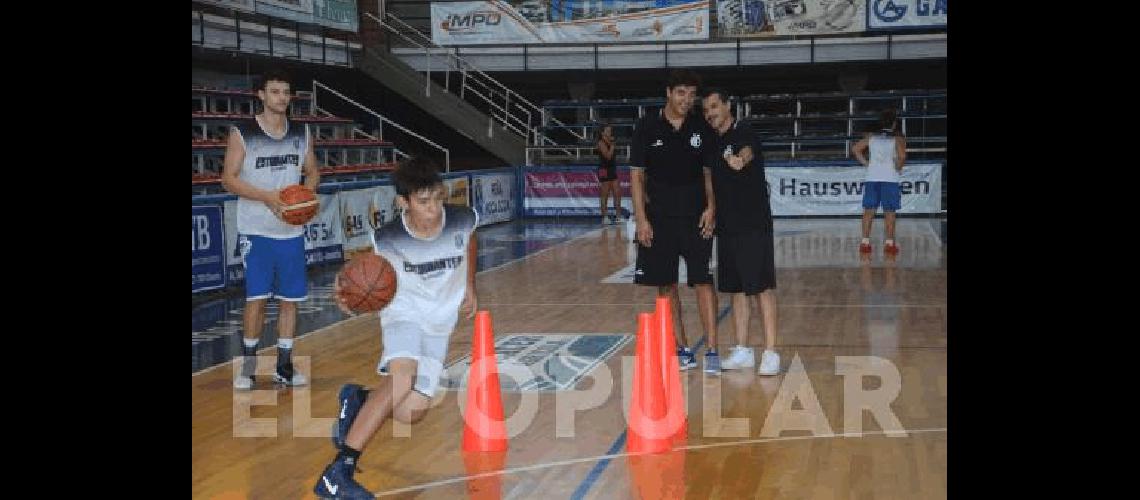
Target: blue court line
<point>600,467</point>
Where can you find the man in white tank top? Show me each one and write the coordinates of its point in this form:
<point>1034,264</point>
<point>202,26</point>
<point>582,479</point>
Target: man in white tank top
<point>264,156</point>
<point>887,156</point>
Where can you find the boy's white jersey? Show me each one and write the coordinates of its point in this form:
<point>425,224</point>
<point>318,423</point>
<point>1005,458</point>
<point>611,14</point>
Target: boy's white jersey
<point>431,275</point>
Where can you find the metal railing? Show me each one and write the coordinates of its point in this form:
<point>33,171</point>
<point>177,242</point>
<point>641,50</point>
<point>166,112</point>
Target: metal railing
<point>572,154</point>
<point>383,120</point>
<point>835,147</point>
<point>502,105</point>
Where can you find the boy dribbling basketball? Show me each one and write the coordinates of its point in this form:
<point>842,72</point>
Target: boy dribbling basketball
<point>432,249</point>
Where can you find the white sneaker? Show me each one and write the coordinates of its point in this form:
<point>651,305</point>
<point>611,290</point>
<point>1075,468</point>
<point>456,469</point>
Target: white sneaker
<point>741,357</point>
<point>243,383</point>
<point>769,363</point>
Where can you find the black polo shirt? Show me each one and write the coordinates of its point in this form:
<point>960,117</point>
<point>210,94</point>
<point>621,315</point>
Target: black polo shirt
<point>741,195</point>
<point>673,163</point>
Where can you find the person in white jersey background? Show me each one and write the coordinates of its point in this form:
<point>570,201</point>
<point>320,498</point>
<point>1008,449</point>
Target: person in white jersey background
<point>887,149</point>
<point>264,156</point>
<point>432,249</point>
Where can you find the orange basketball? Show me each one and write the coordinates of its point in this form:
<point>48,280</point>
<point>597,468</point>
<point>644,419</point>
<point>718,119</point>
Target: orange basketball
<point>367,283</point>
<point>301,204</point>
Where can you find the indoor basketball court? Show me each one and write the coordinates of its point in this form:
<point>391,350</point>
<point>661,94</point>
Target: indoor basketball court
<point>327,133</point>
<point>839,315</point>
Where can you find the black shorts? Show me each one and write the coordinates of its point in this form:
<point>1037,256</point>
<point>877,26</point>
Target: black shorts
<point>746,261</point>
<point>674,237</point>
<point>606,174</point>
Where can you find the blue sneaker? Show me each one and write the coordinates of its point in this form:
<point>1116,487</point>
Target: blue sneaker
<point>337,482</point>
<point>686,359</point>
<point>712,362</point>
<point>351,398</point>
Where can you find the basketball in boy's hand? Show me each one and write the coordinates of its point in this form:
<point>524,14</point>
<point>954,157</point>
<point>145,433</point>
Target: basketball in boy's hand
<point>367,283</point>
<point>301,204</point>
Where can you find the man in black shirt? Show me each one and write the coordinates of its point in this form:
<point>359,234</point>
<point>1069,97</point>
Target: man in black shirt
<point>746,265</point>
<point>674,207</point>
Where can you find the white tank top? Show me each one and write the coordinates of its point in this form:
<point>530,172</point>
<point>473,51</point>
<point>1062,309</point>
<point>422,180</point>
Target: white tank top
<point>881,161</point>
<point>431,275</point>
<point>272,164</point>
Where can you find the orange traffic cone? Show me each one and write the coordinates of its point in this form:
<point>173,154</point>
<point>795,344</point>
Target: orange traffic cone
<point>482,482</point>
<point>484,428</point>
<point>648,430</point>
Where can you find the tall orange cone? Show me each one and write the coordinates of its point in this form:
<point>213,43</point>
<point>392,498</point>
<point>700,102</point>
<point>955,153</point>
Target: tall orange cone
<point>647,425</point>
<point>482,482</point>
<point>484,428</point>
<point>678,420</point>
